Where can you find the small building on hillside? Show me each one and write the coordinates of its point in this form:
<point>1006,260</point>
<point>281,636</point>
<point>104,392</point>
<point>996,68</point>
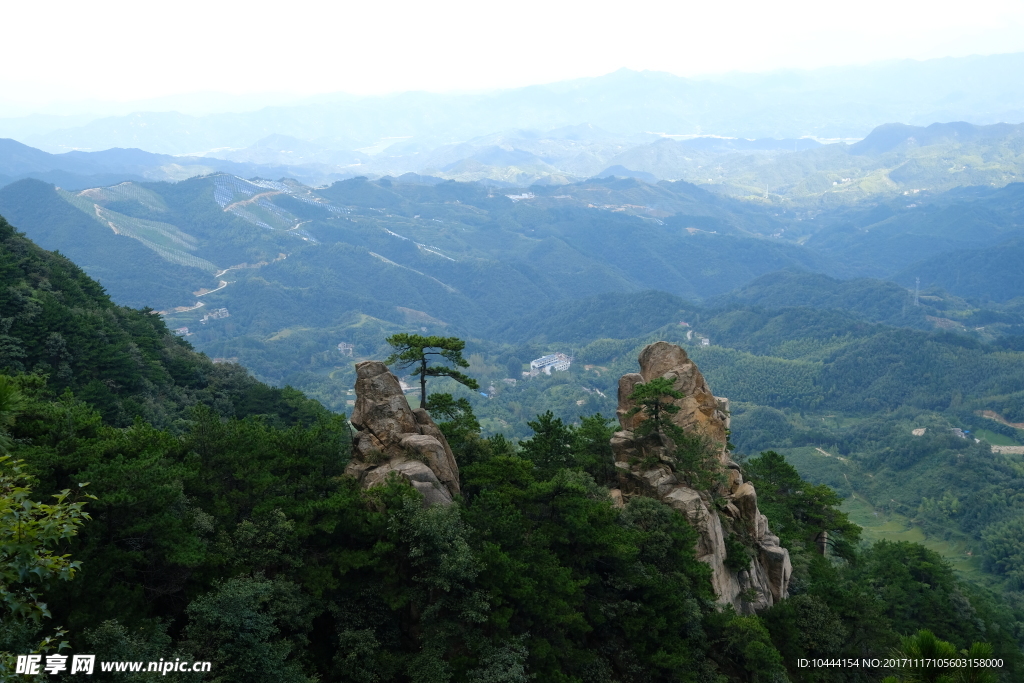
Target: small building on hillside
<point>346,349</point>
<point>555,362</point>
<point>705,341</point>
<point>216,314</point>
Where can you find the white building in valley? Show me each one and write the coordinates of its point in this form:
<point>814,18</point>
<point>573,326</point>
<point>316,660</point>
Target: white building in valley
<point>555,362</point>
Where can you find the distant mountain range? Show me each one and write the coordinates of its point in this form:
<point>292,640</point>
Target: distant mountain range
<point>276,273</point>
<point>80,170</point>
<point>891,160</point>
<point>836,102</point>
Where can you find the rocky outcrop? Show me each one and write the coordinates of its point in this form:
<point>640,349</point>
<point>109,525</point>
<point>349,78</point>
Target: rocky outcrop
<point>395,439</point>
<point>646,467</point>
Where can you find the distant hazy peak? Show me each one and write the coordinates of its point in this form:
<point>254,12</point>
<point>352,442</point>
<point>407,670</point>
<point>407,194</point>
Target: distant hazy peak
<point>891,135</point>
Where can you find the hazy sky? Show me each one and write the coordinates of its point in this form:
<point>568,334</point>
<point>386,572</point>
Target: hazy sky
<point>110,50</point>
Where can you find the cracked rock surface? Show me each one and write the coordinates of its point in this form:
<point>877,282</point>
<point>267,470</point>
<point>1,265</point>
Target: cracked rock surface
<point>394,438</point>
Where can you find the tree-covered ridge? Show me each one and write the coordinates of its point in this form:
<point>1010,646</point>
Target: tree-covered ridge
<point>58,322</point>
<point>216,520</point>
<point>306,269</point>
<point>532,575</point>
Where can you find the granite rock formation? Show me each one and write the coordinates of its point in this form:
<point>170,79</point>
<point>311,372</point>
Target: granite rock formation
<point>394,438</point>
<point>729,509</point>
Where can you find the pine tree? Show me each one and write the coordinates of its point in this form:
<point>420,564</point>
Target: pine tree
<point>415,350</point>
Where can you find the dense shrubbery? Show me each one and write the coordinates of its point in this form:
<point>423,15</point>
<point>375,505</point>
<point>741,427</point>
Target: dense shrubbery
<point>532,573</point>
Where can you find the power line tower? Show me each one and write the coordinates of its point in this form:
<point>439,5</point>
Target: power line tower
<point>917,291</point>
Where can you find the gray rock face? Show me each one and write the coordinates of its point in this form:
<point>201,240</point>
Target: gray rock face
<point>394,438</point>
<point>766,580</point>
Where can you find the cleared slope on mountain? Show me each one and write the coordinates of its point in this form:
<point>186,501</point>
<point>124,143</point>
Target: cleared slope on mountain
<point>132,274</point>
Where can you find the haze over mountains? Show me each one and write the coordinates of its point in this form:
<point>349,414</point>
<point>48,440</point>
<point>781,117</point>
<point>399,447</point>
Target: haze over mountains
<point>893,158</point>
<point>271,272</point>
<point>747,135</point>
<point>838,102</point>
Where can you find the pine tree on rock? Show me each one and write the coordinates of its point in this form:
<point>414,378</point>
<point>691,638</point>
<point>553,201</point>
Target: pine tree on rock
<point>654,400</point>
<point>415,350</point>
<point>694,455</point>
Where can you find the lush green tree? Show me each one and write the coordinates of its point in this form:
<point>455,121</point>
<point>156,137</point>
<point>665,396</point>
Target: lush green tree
<point>32,535</point>
<point>31,531</point>
<point>414,350</point>
<point>551,447</point>
<point>920,651</point>
<point>1004,552</point>
<point>596,593</point>
<point>460,427</point>
<point>250,628</point>
<point>799,510</point>
<point>12,403</point>
<point>654,400</point>
<point>592,450</point>
<point>742,646</point>
<point>694,456</point>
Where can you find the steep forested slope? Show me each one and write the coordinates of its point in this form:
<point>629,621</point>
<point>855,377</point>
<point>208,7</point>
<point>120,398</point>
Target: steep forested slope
<point>58,322</point>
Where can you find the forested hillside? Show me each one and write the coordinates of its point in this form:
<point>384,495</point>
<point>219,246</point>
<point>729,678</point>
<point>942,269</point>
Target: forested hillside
<point>219,502</point>
<point>277,274</point>
<point>58,322</point>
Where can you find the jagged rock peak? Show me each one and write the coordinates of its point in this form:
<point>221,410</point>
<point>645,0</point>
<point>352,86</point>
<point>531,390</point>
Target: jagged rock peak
<point>700,411</point>
<point>766,579</point>
<point>392,437</point>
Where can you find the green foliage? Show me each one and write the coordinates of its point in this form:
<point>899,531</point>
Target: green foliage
<point>797,510</point>
<point>248,628</point>
<point>918,589</point>
<point>921,649</point>
<point>737,559</point>
<point>592,449</point>
<point>565,570</point>
<point>744,645</point>
<point>868,602</point>
<point>55,321</point>
<point>654,400</point>
<point>111,641</point>
<point>414,350</point>
<point>31,533</point>
<point>12,403</point>
<point>761,427</point>
<point>551,446</point>
<point>1004,553</point>
<point>556,445</point>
